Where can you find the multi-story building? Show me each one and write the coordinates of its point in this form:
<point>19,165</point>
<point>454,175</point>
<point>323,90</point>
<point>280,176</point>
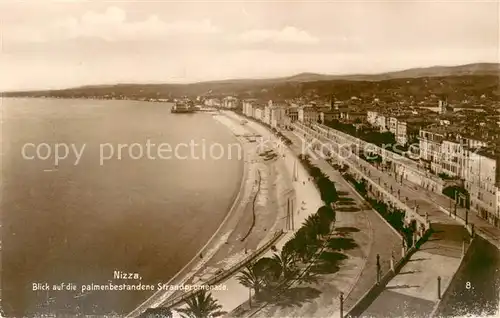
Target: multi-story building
<point>278,114</point>
<point>401,129</point>
<point>403,124</point>
<point>371,117</point>
<point>353,116</point>
<point>401,134</point>
<point>469,160</point>
<point>440,108</point>
<point>248,108</point>
<point>274,114</point>
<point>266,116</point>
<point>381,123</point>
<point>452,158</point>
<point>212,102</point>
<point>392,125</point>
<point>430,148</point>
<point>331,115</point>
<point>447,152</point>
<point>308,115</point>
<point>498,200</point>
<point>292,113</point>
<point>483,182</point>
<point>230,102</point>
<point>258,112</point>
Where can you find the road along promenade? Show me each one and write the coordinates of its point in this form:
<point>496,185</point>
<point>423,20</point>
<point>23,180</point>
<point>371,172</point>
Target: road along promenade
<point>437,201</point>
<point>447,205</point>
<point>255,214</point>
<point>416,178</point>
<point>415,288</point>
<point>354,219</point>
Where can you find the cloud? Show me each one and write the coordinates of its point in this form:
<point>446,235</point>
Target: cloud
<point>288,34</point>
<point>112,25</point>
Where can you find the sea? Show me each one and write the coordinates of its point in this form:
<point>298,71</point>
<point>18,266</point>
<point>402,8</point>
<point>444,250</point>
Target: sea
<point>81,198</point>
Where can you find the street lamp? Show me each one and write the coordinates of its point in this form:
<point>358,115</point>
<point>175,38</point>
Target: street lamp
<point>439,287</point>
<point>341,304</point>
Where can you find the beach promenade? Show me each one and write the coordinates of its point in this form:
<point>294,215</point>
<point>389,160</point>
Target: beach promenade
<point>414,290</point>
<point>308,200</point>
<point>259,193</point>
<point>356,274</point>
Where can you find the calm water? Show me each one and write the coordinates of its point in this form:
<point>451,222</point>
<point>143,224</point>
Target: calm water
<point>79,223</point>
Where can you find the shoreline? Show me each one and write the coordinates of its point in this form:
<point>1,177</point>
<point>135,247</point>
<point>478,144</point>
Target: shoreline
<point>233,205</point>
<point>307,200</point>
<point>231,253</point>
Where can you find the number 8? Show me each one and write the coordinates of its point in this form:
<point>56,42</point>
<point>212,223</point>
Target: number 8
<point>467,285</point>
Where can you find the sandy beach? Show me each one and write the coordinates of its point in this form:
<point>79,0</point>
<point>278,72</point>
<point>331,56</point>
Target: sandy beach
<point>308,201</point>
<point>259,203</point>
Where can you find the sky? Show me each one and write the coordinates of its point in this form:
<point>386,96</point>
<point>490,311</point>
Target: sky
<point>64,43</point>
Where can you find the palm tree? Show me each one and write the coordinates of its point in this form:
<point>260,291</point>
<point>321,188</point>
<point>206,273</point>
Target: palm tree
<point>313,226</point>
<point>286,259</point>
<point>201,305</point>
<point>298,244</point>
<point>290,249</point>
<point>327,190</point>
<point>316,172</point>
<point>306,242</point>
<point>326,213</point>
<point>251,278</point>
<point>270,270</point>
<point>159,312</point>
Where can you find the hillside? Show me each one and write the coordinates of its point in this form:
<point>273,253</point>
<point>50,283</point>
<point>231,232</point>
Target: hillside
<point>456,83</point>
<point>434,71</point>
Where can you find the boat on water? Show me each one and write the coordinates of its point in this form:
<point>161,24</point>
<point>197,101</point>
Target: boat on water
<point>183,106</point>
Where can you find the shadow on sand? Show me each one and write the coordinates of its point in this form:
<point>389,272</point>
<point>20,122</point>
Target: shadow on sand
<point>346,230</point>
<point>348,209</point>
<point>345,199</point>
<point>296,296</point>
<point>328,263</point>
<point>344,203</point>
<point>341,244</point>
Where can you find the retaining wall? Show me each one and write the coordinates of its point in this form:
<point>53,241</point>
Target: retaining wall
<point>445,295</point>
<point>367,299</point>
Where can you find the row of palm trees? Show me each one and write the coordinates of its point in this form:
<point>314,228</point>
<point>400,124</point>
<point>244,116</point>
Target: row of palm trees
<point>325,186</point>
<point>270,274</point>
<point>201,305</point>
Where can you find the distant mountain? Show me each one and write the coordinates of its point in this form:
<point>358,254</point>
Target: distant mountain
<point>454,81</point>
<point>439,71</point>
<point>434,71</point>
<point>475,69</point>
